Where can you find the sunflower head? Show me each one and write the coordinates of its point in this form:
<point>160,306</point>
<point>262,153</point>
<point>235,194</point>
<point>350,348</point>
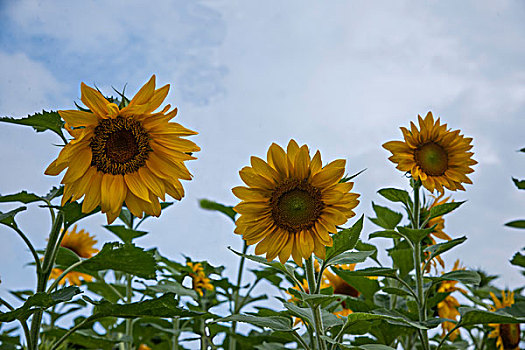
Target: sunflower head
<point>199,280</point>
<point>507,335</point>
<point>437,156</point>
<point>82,244</point>
<point>131,154</point>
<point>292,203</point>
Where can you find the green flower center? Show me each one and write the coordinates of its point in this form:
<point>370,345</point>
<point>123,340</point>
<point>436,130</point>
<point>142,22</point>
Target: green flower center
<point>119,146</point>
<point>296,205</point>
<point>432,159</point>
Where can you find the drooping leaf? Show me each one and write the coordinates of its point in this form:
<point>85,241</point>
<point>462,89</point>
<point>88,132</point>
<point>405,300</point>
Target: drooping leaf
<point>442,209</point>
<point>277,323</point>
<point>172,286</point>
<point>23,196</point>
<point>40,122</point>
<point>84,338</point>
<point>344,240</point>
<point>520,184</point>
<point>386,218</point>
<point>463,276</point>
<point>225,209</point>
<point>471,316</point>
<point>350,257</point>
<point>396,195</point>
<point>125,234</point>
<point>9,217</point>
<point>516,224</point>
<point>385,315</point>
<point>384,234</point>
<point>396,291</point>
<point>440,248</point>
<point>415,235</point>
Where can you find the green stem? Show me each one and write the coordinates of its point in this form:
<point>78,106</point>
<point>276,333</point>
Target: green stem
<point>62,275</point>
<point>71,331</point>
<point>236,308</point>
<point>30,246</point>
<point>446,336</point>
<point>300,340</point>
<point>316,311</point>
<point>22,322</point>
<point>175,338</point>
<point>129,322</point>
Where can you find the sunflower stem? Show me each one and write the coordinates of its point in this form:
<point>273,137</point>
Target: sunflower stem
<point>62,275</point>
<point>316,311</point>
<point>175,338</point>
<point>236,308</point>
<point>129,324</point>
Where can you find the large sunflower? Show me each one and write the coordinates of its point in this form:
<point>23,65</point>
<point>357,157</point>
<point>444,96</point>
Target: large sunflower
<point>292,203</point>
<point>81,243</point>
<point>507,335</point>
<point>438,156</point>
<point>130,155</point>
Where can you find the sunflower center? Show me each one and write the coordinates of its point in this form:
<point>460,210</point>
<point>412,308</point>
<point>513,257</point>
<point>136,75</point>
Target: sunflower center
<point>119,146</point>
<point>510,335</point>
<point>432,159</point>
<point>296,205</point>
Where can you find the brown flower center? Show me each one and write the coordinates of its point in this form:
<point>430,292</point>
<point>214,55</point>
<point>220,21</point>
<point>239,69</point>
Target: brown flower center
<point>296,205</point>
<point>510,335</point>
<point>119,146</point>
<point>432,159</point>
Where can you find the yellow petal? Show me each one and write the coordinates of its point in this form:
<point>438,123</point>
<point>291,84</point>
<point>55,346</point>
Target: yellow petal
<point>145,93</point>
<point>79,162</point>
<point>302,163</point>
<point>94,100</point>
<point>278,160</point>
<point>135,184</point>
<point>92,198</point>
<point>79,118</point>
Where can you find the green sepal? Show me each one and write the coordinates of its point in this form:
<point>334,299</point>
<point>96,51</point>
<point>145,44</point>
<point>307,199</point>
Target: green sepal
<point>518,259</point>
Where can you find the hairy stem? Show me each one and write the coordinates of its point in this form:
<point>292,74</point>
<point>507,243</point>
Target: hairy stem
<point>316,311</point>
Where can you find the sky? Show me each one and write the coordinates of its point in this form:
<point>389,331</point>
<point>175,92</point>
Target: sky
<point>339,76</point>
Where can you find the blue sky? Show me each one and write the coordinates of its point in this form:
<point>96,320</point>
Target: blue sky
<point>340,76</point>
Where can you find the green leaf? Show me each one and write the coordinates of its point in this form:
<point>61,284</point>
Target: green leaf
<point>442,209</point>
<point>471,316</point>
<point>172,286</point>
<point>125,258</point>
<point>350,257</point>
<point>396,195</point>
<point>518,259</point>
<point>315,299</point>
<point>396,291</point>
<point>211,205</point>
<point>367,287</point>
<point>329,319</point>
<point>84,338</point>
<point>463,276</point>
<point>385,315</point>
<point>403,257</point>
<point>440,248</point>
<point>66,257</point>
<point>40,301</point>
<point>125,234</point>
<point>344,240</point>
<point>386,218</point>
<point>369,272</point>
<point>164,306</point>
<point>520,184</point>
<point>22,196</point>
<point>384,234</point>
<point>9,217</point>
<point>516,224</point>
<point>284,268</point>
<point>277,323</point>
<point>40,122</point>
<point>73,212</point>
<point>415,236</point>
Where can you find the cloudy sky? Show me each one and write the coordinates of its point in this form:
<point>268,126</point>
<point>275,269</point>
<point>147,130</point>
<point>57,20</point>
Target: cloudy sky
<point>340,76</point>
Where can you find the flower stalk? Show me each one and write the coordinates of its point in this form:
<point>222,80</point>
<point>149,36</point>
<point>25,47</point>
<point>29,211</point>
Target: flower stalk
<point>316,311</point>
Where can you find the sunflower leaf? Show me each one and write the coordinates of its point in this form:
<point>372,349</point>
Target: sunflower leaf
<point>471,316</point>
<point>9,217</point>
<point>440,248</point>
<point>315,299</point>
<point>518,259</point>
<point>277,323</point>
<point>442,209</point>
<point>516,224</point>
<point>125,234</point>
<point>396,195</point>
<point>350,257</point>
<point>23,197</point>
<point>211,205</point>
<point>344,240</point>
<point>40,122</point>
<point>463,276</point>
<point>520,184</point>
<point>386,218</point>
<point>384,234</point>
<point>415,235</point>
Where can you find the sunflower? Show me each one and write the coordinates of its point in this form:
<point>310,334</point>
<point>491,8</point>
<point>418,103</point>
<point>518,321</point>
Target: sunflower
<point>81,243</point>
<point>438,232</point>
<point>437,156</point>
<point>448,308</point>
<point>144,347</point>
<point>340,286</point>
<point>130,155</point>
<point>292,203</point>
<point>199,280</point>
<point>507,335</point>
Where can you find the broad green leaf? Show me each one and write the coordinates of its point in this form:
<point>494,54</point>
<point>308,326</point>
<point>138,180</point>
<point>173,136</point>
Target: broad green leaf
<point>329,319</point>
<point>366,247</point>
<point>386,218</point>
<point>315,299</point>
<point>125,234</point>
<point>396,291</point>
<point>442,209</point>
<point>403,258</point>
<point>110,292</point>
<point>516,224</point>
<point>66,257</point>
<point>518,259</point>
<point>385,315</point>
<point>344,240</point>
<point>23,196</point>
<point>284,268</point>
<point>350,257</point>
<point>164,306</point>
<point>358,347</point>
<point>277,323</point>
<point>463,276</point>
<point>415,235</point>
<point>84,338</point>
<point>125,258</point>
<point>40,301</point>
<point>440,248</point>
<point>396,195</point>
<point>384,234</point>
<point>520,184</point>
<point>366,286</point>
<point>9,217</point>
<point>471,316</point>
<point>172,286</point>
<point>40,122</point>
<point>369,272</point>
<point>211,205</point>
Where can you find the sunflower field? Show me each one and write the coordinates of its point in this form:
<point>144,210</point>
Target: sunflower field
<point>319,283</point>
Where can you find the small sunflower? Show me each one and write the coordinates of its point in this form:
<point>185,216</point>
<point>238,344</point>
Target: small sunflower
<point>507,335</point>
<point>199,280</point>
<point>292,203</point>
<point>132,155</point>
<point>448,308</point>
<point>437,156</point>
<point>438,230</point>
<point>81,243</point>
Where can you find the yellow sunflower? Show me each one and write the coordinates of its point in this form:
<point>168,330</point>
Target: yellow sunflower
<point>437,156</point>
<point>82,244</point>
<point>292,203</point>
<point>132,155</point>
<point>438,230</point>
<point>199,280</point>
<point>340,286</point>
<point>507,335</point>
<point>448,308</point>
<point>144,347</point>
